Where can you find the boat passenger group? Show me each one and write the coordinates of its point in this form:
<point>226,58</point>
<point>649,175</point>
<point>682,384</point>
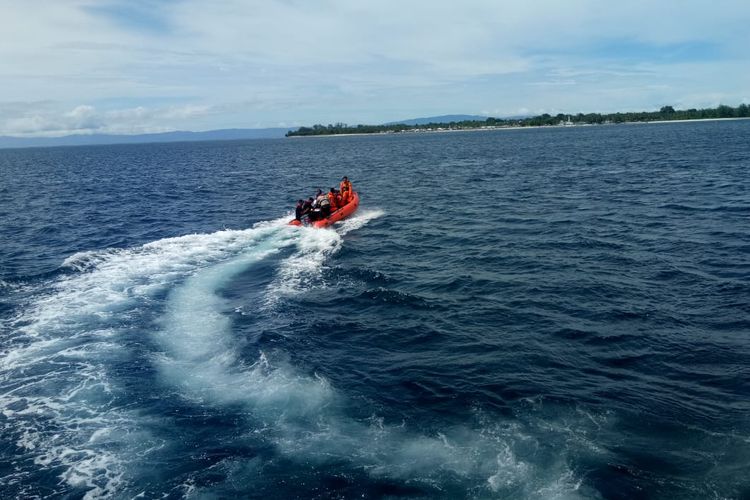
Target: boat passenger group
<point>324,204</point>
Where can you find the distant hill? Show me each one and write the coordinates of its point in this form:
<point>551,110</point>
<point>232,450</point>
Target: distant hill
<point>177,136</point>
<point>438,119</point>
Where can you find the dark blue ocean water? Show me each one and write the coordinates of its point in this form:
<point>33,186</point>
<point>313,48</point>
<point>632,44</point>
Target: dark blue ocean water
<point>552,313</point>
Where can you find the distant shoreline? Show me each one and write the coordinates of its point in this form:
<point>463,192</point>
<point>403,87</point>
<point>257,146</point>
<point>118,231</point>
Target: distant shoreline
<point>511,127</point>
<point>691,120</point>
<point>441,124</point>
<point>8,142</point>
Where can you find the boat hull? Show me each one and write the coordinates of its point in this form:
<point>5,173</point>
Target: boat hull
<point>340,214</point>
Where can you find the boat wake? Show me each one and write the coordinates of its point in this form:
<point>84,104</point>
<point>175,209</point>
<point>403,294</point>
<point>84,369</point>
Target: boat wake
<point>157,311</point>
<point>65,410</point>
<point>304,416</point>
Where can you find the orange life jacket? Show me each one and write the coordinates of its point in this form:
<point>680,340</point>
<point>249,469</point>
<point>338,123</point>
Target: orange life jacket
<point>346,191</point>
<point>332,199</point>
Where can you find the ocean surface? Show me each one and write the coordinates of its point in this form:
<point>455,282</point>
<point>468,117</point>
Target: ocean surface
<point>541,313</point>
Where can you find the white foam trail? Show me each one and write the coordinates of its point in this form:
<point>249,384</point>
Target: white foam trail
<point>358,220</point>
<point>59,402</point>
<point>56,396</point>
<point>303,416</point>
<point>201,356</point>
<point>303,271</point>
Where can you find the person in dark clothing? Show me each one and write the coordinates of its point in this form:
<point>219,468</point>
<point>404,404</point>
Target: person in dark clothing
<point>308,205</point>
<point>298,210</point>
<point>307,208</point>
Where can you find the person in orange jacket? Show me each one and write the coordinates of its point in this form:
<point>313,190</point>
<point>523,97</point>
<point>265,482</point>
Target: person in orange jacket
<point>335,204</point>
<point>346,190</point>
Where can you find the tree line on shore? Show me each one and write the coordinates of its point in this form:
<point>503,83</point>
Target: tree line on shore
<point>665,113</point>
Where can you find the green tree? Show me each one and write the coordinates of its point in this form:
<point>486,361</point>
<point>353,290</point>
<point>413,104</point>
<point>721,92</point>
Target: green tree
<point>725,111</point>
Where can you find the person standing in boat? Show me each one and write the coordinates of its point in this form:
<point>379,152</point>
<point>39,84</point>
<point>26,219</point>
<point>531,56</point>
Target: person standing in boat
<point>346,190</point>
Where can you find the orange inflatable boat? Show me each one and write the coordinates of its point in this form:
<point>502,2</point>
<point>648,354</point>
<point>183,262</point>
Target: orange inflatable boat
<point>340,214</point>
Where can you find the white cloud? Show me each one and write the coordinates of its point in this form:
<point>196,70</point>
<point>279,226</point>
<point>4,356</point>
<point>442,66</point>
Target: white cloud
<point>43,120</point>
<point>265,62</point>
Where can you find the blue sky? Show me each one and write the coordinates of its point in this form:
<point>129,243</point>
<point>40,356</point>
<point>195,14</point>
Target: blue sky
<point>117,66</point>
